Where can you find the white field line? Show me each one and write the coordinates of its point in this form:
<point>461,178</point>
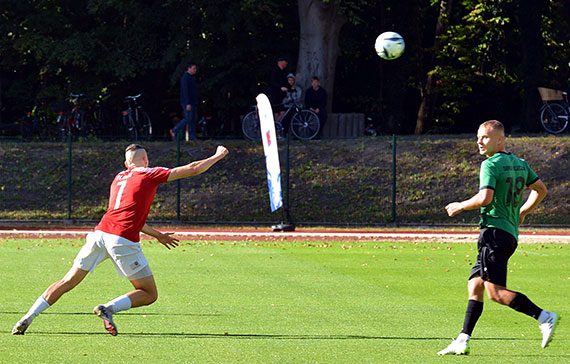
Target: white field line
<point>360,235</point>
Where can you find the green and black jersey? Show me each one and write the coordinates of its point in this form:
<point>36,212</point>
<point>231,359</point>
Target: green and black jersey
<point>507,175</point>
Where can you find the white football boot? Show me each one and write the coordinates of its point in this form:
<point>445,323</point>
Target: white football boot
<point>457,347</point>
<point>548,328</point>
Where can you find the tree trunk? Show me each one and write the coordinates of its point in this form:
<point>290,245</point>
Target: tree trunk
<point>318,43</point>
<point>425,112</point>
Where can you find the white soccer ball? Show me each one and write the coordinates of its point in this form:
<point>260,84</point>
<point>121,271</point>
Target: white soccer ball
<point>390,45</point>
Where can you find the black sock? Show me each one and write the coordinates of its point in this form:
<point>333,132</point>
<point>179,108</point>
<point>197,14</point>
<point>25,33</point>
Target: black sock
<point>472,314</point>
<point>521,303</point>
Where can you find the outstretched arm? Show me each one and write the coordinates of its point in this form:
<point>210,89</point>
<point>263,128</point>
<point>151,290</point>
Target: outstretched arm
<point>164,238</point>
<point>537,194</point>
<point>197,167</point>
<point>481,199</point>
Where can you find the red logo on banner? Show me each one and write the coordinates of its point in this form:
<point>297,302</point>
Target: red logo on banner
<point>268,138</point>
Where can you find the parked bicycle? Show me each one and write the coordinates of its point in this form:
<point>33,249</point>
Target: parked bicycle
<point>303,124</point>
<point>554,113</point>
<point>79,120</point>
<point>135,120</point>
<point>35,124</point>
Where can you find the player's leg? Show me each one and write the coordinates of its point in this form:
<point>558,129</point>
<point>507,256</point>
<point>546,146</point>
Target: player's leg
<point>475,290</point>
<point>500,247</point>
<point>88,257</point>
<point>521,303</point>
<point>73,277</point>
<point>54,292</point>
<point>145,293</point>
<point>130,262</point>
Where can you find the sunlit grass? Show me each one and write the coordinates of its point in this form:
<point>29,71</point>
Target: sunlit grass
<point>274,302</point>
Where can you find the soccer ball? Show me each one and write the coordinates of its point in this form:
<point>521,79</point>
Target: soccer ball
<point>389,45</point>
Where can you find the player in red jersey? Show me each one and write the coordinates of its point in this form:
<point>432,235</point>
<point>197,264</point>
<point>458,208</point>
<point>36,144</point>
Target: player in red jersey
<point>117,237</point>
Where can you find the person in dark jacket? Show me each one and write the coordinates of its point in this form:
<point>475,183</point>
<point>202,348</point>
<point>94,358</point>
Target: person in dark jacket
<point>316,100</point>
<point>278,87</point>
<point>189,102</point>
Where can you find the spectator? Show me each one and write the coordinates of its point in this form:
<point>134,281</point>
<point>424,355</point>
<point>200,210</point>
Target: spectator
<point>294,92</point>
<point>189,103</point>
<point>316,100</point>
<point>278,86</point>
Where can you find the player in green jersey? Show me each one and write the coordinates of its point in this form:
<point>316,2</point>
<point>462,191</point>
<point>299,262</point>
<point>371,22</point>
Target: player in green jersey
<point>503,179</point>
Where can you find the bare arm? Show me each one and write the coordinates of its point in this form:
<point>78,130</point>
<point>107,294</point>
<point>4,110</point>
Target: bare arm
<point>197,167</point>
<point>481,199</point>
<point>537,194</point>
<point>164,238</point>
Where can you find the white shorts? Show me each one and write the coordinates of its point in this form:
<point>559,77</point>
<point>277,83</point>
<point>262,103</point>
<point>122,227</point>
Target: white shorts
<point>126,255</point>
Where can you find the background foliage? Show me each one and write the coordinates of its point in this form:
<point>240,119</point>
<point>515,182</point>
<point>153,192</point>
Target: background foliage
<point>109,49</point>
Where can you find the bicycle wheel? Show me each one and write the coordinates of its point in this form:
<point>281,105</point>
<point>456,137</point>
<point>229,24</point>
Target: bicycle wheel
<point>130,127</point>
<point>250,126</point>
<point>554,118</point>
<point>279,130</point>
<point>27,127</point>
<point>144,126</point>
<point>305,125</point>
<point>64,125</point>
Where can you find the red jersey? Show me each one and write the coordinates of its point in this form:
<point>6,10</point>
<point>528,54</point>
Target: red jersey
<point>132,192</point>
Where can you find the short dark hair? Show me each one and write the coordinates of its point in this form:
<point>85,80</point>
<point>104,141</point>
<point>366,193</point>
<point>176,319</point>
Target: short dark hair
<point>316,78</point>
<point>190,64</point>
<point>279,59</point>
<point>133,147</point>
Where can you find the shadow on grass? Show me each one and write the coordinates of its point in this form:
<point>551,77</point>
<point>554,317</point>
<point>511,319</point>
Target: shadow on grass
<point>184,335</point>
<point>121,314</point>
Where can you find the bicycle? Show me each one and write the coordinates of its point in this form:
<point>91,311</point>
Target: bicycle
<point>79,120</point>
<point>135,120</point>
<point>304,124</point>
<point>35,124</point>
<point>554,112</point>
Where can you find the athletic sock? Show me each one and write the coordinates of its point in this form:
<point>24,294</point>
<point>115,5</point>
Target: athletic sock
<point>463,337</point>
<point>38,307</point>
<point>543,317</point>
<point>120,303</point>
<point>521,303</point>
<point>472,314</point>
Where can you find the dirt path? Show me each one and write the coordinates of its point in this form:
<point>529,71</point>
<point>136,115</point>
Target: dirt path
<point>467,236</point>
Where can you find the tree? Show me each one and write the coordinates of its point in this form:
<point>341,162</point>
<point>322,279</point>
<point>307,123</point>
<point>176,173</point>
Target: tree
<point>425,112</point>
<point>320,25</point>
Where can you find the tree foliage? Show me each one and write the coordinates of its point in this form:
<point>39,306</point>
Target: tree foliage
<point>110,48</point>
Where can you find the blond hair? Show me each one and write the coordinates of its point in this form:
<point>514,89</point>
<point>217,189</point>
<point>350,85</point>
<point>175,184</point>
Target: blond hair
<point>495,125</point>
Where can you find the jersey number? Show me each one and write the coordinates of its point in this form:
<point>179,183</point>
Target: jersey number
<point>515,191</point>
<point>121,185</point>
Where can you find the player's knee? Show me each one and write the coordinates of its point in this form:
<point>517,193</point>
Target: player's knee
<point>153,297</point>
<point>493,296</point>
<point>497,296</point>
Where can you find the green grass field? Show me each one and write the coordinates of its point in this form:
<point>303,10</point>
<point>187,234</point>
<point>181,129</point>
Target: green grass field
<point>248,302</point>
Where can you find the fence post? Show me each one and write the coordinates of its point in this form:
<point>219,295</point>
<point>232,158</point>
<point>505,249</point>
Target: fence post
<point>394,179</point>
<point>178,136</point>
<point>69,169</point>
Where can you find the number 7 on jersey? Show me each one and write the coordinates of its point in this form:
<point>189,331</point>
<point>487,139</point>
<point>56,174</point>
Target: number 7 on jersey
<point>121,185</point>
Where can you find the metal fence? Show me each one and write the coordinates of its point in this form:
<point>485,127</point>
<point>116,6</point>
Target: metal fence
<point>362,181</point>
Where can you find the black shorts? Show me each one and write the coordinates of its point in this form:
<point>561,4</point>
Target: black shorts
<point>495,247</point>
